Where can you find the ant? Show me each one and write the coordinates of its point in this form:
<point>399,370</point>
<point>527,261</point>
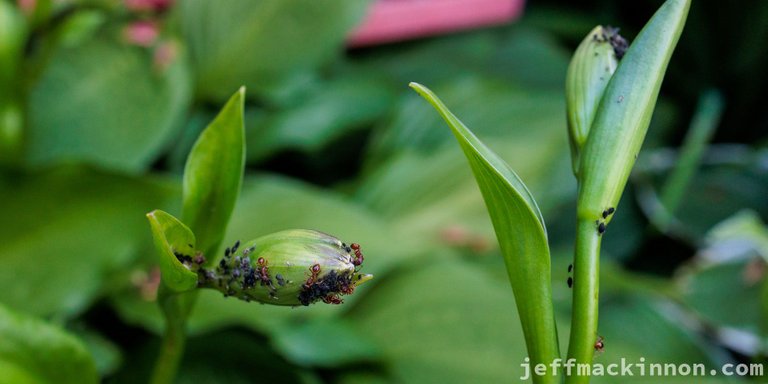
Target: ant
<point>358,254</point>
<point>332,299</point>
<point>599,345</point>
<point>315,270</point>
<point>263,273</point>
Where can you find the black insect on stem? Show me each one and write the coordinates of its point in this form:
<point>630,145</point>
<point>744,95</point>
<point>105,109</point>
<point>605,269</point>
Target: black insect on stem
<point>600,228</point>
<point>570,282</point>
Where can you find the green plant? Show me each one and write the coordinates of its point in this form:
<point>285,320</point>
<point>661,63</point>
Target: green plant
<point>609,114</point>
<point>212,179</point>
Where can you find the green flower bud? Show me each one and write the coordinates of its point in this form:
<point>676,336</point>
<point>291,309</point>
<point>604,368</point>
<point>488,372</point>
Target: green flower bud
<point>293,267</point>
<point>590,70</point>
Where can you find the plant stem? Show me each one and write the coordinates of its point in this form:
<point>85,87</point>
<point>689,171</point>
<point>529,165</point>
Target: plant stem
<point>705,120</point>
<point>176,308</point>
<point>586,272</point>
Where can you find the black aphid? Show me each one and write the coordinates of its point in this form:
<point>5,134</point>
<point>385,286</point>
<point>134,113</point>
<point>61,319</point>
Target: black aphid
<point>570,282</point>
<point>570,268</point>
<point>601,228</point>
<point>234,247</point>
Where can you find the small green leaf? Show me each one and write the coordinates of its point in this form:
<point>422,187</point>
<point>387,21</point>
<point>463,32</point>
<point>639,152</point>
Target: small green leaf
<point>35,352</point>
<point>213,175</point>
<point>172,236</point>
<point>521,234</point>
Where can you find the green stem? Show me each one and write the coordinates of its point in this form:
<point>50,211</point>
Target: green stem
<point>176,308</point>
<point>703,125</point>
<point>586,272</point>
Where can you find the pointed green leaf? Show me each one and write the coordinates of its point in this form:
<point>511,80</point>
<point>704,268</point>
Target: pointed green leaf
<point>521,234</point>
<point>614,140</point>
<point>624,114</point>
<point>34,352</point>
<point>172,236</point>
<point>213,175</point>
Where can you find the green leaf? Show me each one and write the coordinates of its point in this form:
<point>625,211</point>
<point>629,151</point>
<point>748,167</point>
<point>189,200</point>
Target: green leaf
<point>213,175</point>
<point>443,322</point>
<point>35,352</point>
<point>102,102</point>
<point>270,46</point>
<point>325,343</point>
<point>625,111</point>
<point>171,237</point>
<point>324,116</point>
<point>521,234</point>
<point>67,234</point>
<point>727,295</point>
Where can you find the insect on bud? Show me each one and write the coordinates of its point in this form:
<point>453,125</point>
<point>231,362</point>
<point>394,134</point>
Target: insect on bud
<point>293,267</point>
<point>589,72</point>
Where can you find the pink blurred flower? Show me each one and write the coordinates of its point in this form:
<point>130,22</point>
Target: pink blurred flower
<point>141,33</point>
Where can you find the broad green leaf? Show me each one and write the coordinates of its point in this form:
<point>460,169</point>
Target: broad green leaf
<point>521,234</point>
<point>34,352</point>
<point>635,327</point>
<point>234,357</point>
<point>103,102</point>
<point>726,295</point>
<point>67,234</point>
<point>269,46</point>
<point>172,237</point>
<point>213,175</point>
<point>330,112</point>
<point>325,343</point>
<point>443,322</point>
<point>531,117</point>
<point>625,111</point>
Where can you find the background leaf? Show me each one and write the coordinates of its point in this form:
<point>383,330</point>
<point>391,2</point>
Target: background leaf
<point>213,175</point>
<point>32,351</point>
<point>86,242</point>
<point>102,102</point>
<point>271,47</point>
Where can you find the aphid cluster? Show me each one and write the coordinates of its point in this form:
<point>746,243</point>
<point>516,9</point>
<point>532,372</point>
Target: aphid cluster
<point>617,42</point>
<point>327,288</point>
<point>192,262</point>
<point>235,273</point>
<point>601,224</point>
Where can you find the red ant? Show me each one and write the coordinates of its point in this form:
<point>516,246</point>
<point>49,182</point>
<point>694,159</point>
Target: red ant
<point>332,299</point>
<point>599,345</point>
<point>358,254</point>
<point>315,270</point>
<point>263,273</point>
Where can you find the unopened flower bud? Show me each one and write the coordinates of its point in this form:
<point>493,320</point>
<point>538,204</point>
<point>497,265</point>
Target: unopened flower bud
<point>589,72</point>
<point>293,267</point>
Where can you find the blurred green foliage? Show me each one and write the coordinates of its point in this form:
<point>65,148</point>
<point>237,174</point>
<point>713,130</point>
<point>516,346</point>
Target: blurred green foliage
<point>95,126</point>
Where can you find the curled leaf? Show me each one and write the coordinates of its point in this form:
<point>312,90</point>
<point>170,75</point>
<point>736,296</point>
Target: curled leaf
<point>174,241</point>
